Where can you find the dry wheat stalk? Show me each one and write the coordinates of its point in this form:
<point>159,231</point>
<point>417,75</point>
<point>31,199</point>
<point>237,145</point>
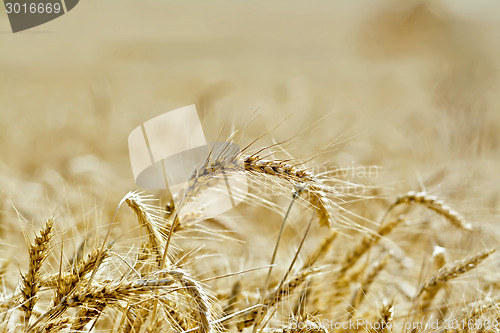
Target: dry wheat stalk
<point>288,288</point>
<point>433,203</point>
<point>132,320</point>
<point>300,178</point>
<point>299,308</point>
<point>31,281</point>
<point>342,283</point>
<point>86,313</point>
<point>311,260</point>
<point>202,309</point>
<point>177,320</point>
<point>142,262</point>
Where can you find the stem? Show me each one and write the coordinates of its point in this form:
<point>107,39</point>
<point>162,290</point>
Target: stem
<point>273,259</point>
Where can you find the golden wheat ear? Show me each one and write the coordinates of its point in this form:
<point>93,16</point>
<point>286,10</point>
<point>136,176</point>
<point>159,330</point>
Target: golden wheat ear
<point>300,178</point>
<point>202,309</point>
<point>366,244</point>
<point>434,204</point>
<point>69,281</point>
<point>150,218</point>
<point>31,281</point>
<point>428,290</point>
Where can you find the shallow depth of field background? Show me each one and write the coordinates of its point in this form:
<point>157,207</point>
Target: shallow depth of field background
<point>411,87</point>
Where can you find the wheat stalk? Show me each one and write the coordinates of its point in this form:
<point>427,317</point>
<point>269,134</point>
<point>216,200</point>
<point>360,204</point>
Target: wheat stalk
<point>321,250</point>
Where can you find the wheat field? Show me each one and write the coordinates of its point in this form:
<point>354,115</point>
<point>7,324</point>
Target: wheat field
<point>370,144</point>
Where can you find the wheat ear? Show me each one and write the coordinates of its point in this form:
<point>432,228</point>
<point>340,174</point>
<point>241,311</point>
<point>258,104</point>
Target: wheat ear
<point>433,203</point>
<point>301,178</point>
<point>367,243</point>
<point>31,282</point>
<point>202,303</point>
<point>86,313</point>
<point>320,252</point>
<point>341,283</point>
<point>109,294</point>
<point>55,325</point>
<point>148,217</point>
<point>276,296</point>
<point>175,317</point>
<point>69,281</point>
<point>385,317</point>
<point>428,290</point>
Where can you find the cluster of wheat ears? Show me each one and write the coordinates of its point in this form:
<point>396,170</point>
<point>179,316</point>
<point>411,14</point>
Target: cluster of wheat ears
<point>152,286</point>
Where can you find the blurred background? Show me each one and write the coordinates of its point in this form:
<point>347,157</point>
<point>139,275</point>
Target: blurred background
<point>412,87</point>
